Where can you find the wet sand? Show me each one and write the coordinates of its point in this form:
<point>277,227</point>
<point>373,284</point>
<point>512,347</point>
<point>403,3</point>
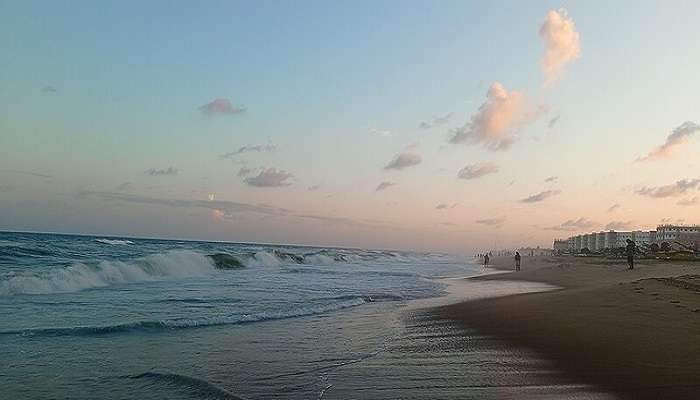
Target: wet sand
<point>634,333</point>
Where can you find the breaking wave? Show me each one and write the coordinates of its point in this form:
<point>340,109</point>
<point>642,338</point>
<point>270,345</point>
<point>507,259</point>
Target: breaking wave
<point>176,264</point>
<point>335,304</point>
<point>173,264</point>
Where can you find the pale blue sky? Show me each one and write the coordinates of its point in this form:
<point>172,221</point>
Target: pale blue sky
<point>315,79</point>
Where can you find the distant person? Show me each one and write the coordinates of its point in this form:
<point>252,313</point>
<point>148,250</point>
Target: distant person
<point>486,259</point>
<point>517,261</point>
<point>631,248</point>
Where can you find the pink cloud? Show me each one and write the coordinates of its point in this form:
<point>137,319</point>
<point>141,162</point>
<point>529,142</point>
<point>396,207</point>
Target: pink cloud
<point>498,120</point>
<point>561,42</point>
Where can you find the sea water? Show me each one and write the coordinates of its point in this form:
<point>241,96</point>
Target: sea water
<point>88,317</point>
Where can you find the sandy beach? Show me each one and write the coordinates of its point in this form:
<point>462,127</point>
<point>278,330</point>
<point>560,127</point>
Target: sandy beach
<point>634,333</point>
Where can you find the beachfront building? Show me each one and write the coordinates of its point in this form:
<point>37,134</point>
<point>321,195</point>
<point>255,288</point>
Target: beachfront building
<point>686,235</point>
<point>560,246</point>
<point>665,236</point>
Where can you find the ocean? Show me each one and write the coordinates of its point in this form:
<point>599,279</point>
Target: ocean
<point>91,317</point>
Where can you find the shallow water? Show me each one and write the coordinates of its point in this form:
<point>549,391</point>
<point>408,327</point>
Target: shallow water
<point>90,317</point>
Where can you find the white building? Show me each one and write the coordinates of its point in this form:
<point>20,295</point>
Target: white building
<point>687,235</point>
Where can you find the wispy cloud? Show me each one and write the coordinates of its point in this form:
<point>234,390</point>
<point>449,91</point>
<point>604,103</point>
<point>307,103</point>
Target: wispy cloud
<point>250,148</point>
<point>552,122</point>
<point>221,107</point>
<point>491,221</point>
<point>48,89</point>
<point>619,226</point>
<point>613,207</point>
<point>227,206</point>
<point>245,171</point>
<point>313,188</point>
<point>478,170</point>
<point>228,209</point>
<point>436,121</point>
<point>384,185</point>
<point>445,206</point>
<point>170,171</point>
<point>381,132</point>
<point>28,173</point>
<point>541,196</point>
<point>270,177</point>
<point>403,160</point>
<point>689,202</point>
<point>552,179</point>
<point>675,189</point>
<point>498,121</point>
<point>561,42</point>
<point>677,139</point>
<point>573,225</point>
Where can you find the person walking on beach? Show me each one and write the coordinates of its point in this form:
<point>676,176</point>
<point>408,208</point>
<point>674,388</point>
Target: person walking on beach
<point>517,261</point>
<point>486,259</point>
<point>631,248</point>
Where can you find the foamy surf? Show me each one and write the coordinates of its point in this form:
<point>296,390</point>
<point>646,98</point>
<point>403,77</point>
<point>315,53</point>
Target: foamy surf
<point>116,242</point>
<point>176,264</point>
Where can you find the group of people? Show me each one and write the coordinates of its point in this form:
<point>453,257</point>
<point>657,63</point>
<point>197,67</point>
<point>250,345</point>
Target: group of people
<point>630,250</point>
<point>486,257</point>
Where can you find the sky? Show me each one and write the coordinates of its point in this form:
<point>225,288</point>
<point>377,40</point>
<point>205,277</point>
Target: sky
<point>448,126</point>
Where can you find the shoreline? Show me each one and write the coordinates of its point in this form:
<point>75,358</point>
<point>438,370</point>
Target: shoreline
<point>633,333</point>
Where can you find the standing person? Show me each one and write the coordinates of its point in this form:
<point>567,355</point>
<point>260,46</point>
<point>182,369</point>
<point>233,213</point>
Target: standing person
<point>517,261</point>
<point>631,248</point>
<point>486,259</point>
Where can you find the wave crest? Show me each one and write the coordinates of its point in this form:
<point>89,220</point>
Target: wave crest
<point>176,264</point>
<point>118,242</point>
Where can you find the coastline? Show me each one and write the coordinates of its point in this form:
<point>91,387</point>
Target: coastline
<point>634,333</point>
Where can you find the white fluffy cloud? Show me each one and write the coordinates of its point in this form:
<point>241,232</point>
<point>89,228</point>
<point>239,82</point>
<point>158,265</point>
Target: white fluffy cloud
<point>561,42</point>
<point>677,139</point>
<point>478,170</point>
<point>498,120</point>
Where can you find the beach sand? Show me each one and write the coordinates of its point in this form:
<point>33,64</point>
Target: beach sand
<point>634,333</point>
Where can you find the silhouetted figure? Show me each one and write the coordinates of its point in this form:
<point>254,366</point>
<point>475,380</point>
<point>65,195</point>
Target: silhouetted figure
<point>517,261</point>
<point>631,248</point>
<point>486,259</point>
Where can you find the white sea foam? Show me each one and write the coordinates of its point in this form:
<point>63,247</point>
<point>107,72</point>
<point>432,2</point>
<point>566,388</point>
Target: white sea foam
<point>319,259</point>
<point>114,241</point>
<point>177,264</point>
<point>264,259</point>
